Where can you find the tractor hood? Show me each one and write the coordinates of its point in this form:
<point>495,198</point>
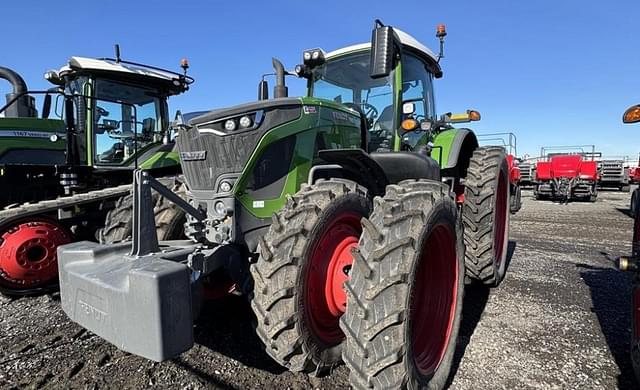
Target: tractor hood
<point>566,166</point>
<point>209,150</point>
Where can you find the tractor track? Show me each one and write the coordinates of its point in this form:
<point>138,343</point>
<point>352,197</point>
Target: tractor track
<point>559,320</point>
<point>28,209</point>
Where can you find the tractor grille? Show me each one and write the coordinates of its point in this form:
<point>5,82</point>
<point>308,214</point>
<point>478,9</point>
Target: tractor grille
<point>611,170</point>
<point>208,151</point>
<point>526,172</point>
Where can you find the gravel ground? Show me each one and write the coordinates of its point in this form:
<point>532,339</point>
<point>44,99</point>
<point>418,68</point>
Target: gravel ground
<point>560,320</point>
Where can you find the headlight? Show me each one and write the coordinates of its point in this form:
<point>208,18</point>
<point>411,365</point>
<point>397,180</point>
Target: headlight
<point>230,125</point>
<point>245,122</point>
<point>220,208</point>
<point>225,186</point>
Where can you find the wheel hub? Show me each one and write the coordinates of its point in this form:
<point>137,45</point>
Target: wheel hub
<point>28,252</point>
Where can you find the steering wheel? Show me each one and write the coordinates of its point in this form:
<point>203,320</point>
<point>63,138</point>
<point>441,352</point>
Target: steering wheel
<point>368,111</point>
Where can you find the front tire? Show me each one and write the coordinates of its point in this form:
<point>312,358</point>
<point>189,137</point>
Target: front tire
<point>169,217</point>
<point>406,289</point>
<point>485,215</point>
<point>304,260</point>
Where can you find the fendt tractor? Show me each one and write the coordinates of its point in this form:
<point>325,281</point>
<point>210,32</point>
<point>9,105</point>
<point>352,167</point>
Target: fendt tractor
<point>510,144</point>
<point>339,214</point>
<point>632,263</point>
<point>65,171</point>
<point>614,173</point>
<point>566,176</point>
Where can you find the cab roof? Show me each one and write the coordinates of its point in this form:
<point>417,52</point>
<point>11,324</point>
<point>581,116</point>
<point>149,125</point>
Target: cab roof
<point>172,83</point>
<point>407,42</point>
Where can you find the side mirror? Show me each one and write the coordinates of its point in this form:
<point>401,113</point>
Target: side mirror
<point>263,91</point>
<point>382,51</point>
<point>632,115</point>
<point>469,116</point>
<point>46,106</point>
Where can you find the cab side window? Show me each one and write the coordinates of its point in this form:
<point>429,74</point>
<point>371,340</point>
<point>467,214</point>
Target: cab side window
<point>417,87</point>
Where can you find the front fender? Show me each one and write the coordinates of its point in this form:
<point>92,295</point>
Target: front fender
<point>454,146</point>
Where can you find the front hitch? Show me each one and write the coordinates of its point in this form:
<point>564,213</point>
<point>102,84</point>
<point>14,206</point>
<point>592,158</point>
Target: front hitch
<point>139,296</point>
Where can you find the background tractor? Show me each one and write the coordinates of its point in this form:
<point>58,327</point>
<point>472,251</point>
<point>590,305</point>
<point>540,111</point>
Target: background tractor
<point>614,173</point>
<point>64,171</point>
<point>632,263</point>
<point>510,144</point>
<point>567,175</point>
<point>339,214</point>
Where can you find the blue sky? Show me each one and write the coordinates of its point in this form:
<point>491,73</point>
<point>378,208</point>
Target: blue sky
<point>554,72</point>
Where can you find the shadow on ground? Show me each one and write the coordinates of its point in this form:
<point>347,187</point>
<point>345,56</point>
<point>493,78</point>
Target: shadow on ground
<point>226,326</point>
<point>473,305</point>
<point>624,210</point>
<point>611,298</point>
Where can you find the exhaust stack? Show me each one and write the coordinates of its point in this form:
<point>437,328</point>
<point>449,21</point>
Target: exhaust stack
<point>24,106</point>
<point>280,90</point>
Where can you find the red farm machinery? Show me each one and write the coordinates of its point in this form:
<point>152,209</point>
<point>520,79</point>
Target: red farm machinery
<point>567,173</point>
<point>634,173</point>
<point>613,173</point>
<point>508,141</point>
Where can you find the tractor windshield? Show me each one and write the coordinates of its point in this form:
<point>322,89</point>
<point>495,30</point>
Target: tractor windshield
<point>346,80</point>
<point>126,119</point>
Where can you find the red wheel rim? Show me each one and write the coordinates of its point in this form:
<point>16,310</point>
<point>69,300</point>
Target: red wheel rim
<point>434,299</point>
<point>501,220</point>
<point>28,256</point>
<point>329,265</point>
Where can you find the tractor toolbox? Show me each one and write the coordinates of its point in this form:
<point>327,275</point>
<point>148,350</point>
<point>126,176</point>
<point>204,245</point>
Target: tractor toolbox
<point>141,305</point>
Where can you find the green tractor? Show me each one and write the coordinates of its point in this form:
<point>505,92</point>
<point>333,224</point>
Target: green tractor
<point>350,217</point>
<point>66,170</point>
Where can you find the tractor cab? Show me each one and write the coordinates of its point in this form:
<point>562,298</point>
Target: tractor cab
<point>101,119</point>
<point>120,108</point>
<point>393,103</point>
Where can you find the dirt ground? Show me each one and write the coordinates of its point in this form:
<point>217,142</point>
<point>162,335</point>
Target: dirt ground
<point>560,320</point>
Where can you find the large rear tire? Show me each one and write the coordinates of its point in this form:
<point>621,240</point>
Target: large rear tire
<point>406,289</point>
<point>304,260</point>
<point>169,218</point>
<point>485,215</point>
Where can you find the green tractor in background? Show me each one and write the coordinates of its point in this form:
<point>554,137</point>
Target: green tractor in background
<point>350,217</point>
<point>65,171</point>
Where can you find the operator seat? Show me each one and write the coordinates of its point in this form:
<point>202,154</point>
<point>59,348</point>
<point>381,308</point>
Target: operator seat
<point>148,127</point>
<point>382,130</point>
